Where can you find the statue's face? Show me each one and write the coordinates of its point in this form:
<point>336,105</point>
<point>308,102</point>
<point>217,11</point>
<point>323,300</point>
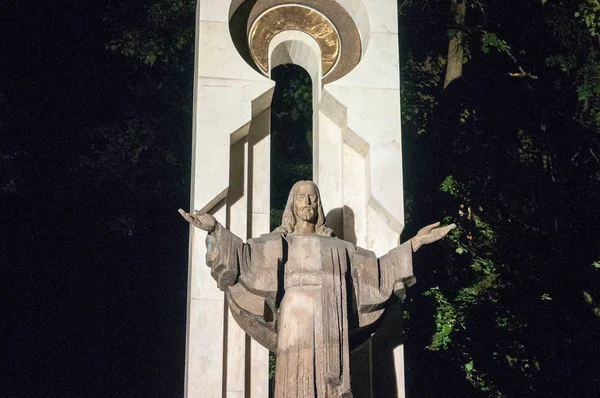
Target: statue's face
<point>306,203</point>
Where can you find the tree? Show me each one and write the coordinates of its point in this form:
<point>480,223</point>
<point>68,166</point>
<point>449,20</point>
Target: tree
<point>502,142</point>
<point>454,63</point>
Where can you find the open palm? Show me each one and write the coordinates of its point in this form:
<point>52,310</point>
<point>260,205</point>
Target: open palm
<point>431,233</point>
<point>204,221</point>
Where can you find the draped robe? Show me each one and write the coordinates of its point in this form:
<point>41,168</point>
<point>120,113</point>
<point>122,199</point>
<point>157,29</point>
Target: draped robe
<point>301,296</point>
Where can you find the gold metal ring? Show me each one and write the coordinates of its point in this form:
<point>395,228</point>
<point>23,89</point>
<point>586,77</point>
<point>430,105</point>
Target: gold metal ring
<point>293,17</point>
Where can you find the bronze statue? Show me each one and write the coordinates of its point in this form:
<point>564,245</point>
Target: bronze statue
<point>290,290</point>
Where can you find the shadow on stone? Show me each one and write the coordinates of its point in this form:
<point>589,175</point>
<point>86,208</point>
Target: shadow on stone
<point>379,375</point>
<point>341,220</point>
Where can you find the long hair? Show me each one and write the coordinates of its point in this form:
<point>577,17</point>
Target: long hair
<point>288,221</point>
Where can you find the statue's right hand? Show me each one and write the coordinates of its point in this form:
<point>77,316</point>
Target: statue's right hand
<point>204,221</point>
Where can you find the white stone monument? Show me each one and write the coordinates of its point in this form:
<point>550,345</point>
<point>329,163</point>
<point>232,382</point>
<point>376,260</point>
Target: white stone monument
<point>350,50</point>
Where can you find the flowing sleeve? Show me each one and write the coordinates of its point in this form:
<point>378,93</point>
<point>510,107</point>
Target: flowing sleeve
<point>376,280</point>
<point>248,274</point>
<point>397,271</point>
<point>225,252</point>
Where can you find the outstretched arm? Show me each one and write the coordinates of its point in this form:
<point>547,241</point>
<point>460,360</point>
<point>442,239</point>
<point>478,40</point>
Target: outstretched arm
<point>430,234</point>
<point>224,249</point>
<point>375,280</point>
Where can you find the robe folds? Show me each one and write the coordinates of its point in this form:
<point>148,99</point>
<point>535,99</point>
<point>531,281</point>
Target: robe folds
<point>301,296</point>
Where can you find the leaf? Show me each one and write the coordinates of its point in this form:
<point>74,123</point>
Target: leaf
<point>469,366</point>
<point>448,185</point>
<point>459,250</point>
<point>587,297</point>
<point>546,297</point>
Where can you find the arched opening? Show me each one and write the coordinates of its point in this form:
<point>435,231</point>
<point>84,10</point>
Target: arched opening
<point>291,134</point>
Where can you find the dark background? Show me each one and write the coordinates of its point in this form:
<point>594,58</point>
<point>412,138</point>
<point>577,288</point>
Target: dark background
<point>95,159</point>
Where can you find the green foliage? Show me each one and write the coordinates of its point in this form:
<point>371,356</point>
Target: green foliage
<point>447,320</point>
<point>450,186</point>
<point>419,90</point>
<point>589,87</point>
<point>297,98</point>
<point>588,14</point>
<point>165,35</point>
<point>451,312</point>
<point>509,153</point>
<point>594,306</point>
<point>527,151</point>
<point>490,40</point>
<point>566,62</point>
<point>576,53</point>
<point>128,155</point>
<point>481,381</point>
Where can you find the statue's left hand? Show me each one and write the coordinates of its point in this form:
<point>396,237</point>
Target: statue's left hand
<point>204,221</point>
<point>430,234</point>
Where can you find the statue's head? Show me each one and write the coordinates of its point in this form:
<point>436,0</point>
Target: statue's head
<point>304,202</point>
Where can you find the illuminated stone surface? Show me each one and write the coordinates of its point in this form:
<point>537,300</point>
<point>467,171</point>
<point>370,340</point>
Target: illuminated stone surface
<point>357,159</point>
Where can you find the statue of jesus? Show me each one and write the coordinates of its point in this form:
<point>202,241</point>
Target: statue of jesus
<point>302,293</point>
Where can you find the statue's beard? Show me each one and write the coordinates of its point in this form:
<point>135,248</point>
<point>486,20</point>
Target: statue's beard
<point>306,214</point>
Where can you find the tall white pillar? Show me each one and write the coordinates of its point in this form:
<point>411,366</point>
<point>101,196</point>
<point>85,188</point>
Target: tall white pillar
<point>350,49</point>
<point>228,95</point>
